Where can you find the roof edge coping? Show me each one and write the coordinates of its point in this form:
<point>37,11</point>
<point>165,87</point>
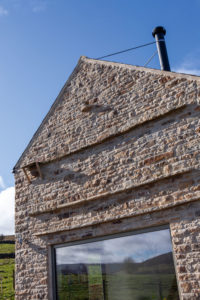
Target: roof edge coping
<point>145,69</point>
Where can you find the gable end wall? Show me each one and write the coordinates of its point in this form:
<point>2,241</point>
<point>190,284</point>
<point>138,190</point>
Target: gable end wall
<point>119,152</point>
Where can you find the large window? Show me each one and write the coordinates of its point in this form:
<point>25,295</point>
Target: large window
<point>132,267</point>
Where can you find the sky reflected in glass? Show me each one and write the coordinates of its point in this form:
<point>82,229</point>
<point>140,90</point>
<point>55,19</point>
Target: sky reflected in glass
<point>139,248</point>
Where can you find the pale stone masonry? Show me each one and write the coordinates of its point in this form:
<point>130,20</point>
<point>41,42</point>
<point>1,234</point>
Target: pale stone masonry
<point>119,150</point>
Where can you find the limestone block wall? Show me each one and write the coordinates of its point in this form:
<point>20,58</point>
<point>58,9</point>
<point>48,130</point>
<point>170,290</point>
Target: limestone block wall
<point>119,150</point>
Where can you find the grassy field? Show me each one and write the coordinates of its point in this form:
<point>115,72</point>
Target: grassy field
<point>6,273</point>
<point>120,286</point>
<point>7,248</point>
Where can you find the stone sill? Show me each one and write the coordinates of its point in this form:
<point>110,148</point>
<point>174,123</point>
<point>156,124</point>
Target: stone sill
<point>43,209</point>
<point>141,121</point>
<point>120,217</point>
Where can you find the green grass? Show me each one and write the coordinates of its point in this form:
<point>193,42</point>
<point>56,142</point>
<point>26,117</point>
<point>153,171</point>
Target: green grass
<point>6,273</point>
<point>7,248</point>
<point>119,286</point>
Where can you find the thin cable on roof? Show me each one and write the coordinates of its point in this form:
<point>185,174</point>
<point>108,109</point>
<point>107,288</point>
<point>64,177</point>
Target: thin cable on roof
<point>126,50</point>
<point>150,58</point>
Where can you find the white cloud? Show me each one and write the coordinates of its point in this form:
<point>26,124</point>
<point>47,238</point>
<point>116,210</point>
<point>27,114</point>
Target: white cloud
<point>7,200</point>
<point>35,6</point>
<point>2,184</point>
<point>139,247</point>
<point>190,65</point>
<point>3,11</point>
<point>38,5</point>
<point>186,70</point>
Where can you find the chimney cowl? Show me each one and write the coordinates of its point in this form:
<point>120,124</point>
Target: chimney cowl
<point>158,29</point>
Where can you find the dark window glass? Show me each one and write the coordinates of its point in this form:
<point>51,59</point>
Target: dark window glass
<point>134,267</point>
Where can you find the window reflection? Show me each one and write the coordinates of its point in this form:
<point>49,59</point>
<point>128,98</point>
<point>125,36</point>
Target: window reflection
<point>135,267</point>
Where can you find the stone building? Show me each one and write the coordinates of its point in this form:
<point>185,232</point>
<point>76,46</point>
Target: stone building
<point>108,189</point>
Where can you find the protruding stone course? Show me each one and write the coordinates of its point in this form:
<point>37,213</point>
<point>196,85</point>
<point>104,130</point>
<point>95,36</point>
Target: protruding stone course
<point>118,151</point>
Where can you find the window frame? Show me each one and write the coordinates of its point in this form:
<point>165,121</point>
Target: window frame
<point>101,238</point>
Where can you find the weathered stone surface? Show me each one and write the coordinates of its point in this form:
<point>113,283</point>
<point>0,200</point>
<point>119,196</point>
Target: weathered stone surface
<point>118,151</point>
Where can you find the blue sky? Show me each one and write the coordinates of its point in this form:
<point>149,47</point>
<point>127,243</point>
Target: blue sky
<point>42,40</point>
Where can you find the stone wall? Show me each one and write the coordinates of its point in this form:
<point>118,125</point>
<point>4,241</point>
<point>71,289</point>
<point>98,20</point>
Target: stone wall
<point>118,151</point>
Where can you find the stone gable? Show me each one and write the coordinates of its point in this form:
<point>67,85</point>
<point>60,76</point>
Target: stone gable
<point>118,151</point>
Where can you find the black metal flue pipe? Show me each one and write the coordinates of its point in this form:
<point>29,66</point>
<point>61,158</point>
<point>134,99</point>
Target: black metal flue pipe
<point>159,33</point>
